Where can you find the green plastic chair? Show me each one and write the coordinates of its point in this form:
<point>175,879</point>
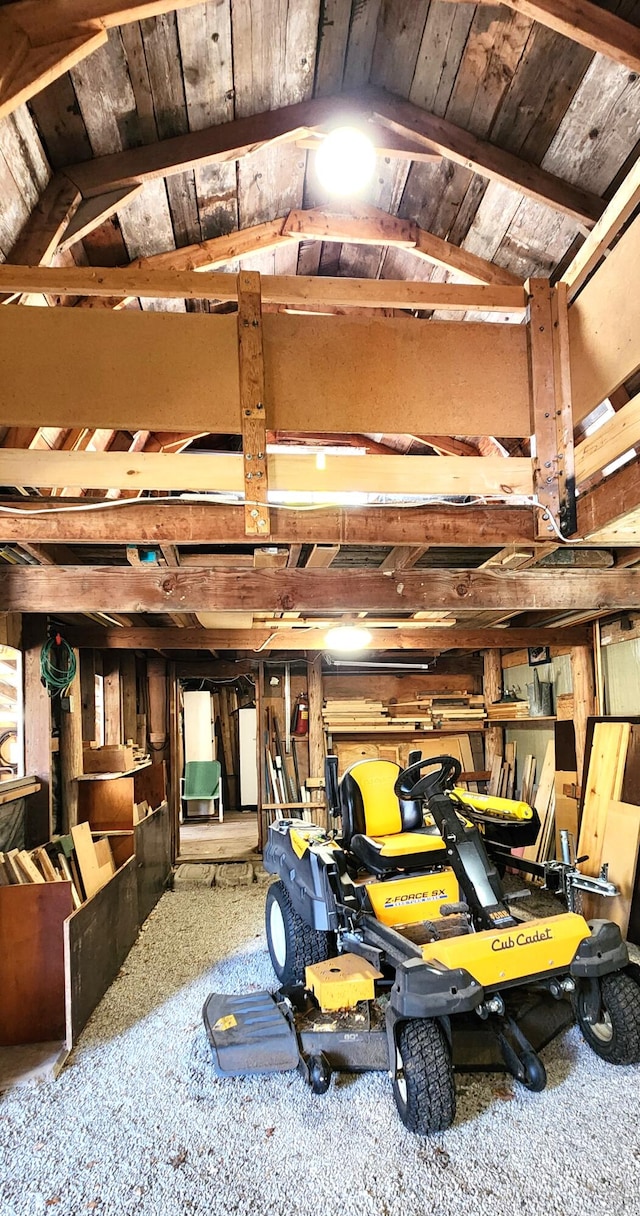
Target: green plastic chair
<point>202,784</point>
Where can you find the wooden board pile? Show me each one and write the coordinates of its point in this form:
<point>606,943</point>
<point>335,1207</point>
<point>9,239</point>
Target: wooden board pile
<point>79,859</point>
<point>426,711</point>
<point>502,782</point>
<point>610,828</point>
<point>507,711</point>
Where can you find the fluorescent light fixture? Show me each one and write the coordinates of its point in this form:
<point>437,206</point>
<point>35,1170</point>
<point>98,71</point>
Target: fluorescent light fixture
<point>348,638</point>
<point>345,161</point>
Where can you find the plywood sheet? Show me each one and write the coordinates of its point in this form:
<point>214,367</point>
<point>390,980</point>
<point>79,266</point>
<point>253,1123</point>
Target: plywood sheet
<point>32,989</point>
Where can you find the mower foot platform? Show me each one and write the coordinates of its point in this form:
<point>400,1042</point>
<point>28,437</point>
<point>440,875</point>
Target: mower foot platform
<point>249,1034</point>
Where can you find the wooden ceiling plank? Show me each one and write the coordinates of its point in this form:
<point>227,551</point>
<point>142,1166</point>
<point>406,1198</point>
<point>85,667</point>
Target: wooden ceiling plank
<point>151,638</point>
<point>147,521</point>
<point>588,24</point>
<point>99,589</point>
<point>602,235</point>
<point>485,158</point>
<point>446,475</point>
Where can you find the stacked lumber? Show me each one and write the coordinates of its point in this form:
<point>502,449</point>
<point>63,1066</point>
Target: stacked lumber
<point>610,828</point>
<point>503,775</point>
<point>508,711</point>
<point>77,859</point>
<point>544,803</point>
<point>426,711</point>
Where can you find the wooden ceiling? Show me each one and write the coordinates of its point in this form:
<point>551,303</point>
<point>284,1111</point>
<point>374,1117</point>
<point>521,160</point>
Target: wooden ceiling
<point>491,70</point>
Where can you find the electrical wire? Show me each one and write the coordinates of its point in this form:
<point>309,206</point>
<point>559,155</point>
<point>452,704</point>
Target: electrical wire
<point>56,678</point>
<point>298,508</point>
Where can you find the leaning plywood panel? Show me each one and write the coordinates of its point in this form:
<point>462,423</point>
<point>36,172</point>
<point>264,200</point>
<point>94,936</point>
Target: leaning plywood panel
<point>604,326</point>
<point>604,785</point>
<point>620,852</point>
<point>32,1001</point>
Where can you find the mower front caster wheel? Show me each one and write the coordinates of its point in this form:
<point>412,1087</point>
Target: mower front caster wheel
<point>293,944</point>
<point>319,1073</point>
<point>615,1034</point>
<point>423,1085</point>
<point>535,1073</point>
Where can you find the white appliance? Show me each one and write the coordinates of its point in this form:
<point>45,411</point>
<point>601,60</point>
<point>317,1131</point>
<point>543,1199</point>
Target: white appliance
<point>247,728</point>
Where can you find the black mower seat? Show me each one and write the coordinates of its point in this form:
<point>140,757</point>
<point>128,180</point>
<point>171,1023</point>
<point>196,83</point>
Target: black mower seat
<point>382,832</point>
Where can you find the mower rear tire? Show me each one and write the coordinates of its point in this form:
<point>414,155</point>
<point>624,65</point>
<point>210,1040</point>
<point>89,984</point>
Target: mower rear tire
<point>616,1036</point>
<point>423,1085</point>
<point>293,944</point>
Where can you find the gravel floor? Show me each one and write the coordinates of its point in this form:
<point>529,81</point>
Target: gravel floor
<point>137,1123</point>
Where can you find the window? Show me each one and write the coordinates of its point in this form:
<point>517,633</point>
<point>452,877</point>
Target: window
<point>11,715</point>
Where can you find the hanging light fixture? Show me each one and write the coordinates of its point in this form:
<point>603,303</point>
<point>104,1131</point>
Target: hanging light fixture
<point>345,161</point>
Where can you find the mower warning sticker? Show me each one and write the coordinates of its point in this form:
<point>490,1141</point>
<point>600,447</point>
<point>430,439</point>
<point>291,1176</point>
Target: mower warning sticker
<point>226,1023</point>
<point>417,897</point>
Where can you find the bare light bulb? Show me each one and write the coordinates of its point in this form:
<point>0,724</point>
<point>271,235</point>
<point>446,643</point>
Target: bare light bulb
<point>348,637</point>
<point>345,161</point>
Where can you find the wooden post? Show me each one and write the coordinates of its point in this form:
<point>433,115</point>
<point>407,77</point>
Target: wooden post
<point>37,732</point>
<point>71,752</point>
<point>128,695</point>
<point>263,816</point>
<point>175,761</point>
<point>492,688</point>
<point>316,733</point>
<point>111,693</point>
<point>583,699</point>
<point>551,420</point>
<point>157,684</point>
<point>88,694</point>
<point>252,404</point>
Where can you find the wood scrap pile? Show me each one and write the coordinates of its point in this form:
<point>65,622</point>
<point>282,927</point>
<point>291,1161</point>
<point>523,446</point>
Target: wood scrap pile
<point>507,711</point>
<point>284,773</point>
<point>77,858</point>
<point>425,711</point>
<point>610,828</point>
<point>503,775</point>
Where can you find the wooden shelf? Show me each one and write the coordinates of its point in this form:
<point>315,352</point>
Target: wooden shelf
<point>17,791</point>
<point>130,772</point>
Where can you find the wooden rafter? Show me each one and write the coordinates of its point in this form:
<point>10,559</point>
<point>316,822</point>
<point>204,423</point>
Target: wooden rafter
<point>300,639</point>
<point>585,23</point>
<point>484,158</point>
<point>99,589</point>
<point>231,140</point>
<point>42,39</point>
<point>253,412</point>
<point>616,437</point>
<point>94,211</point>
<point>225,472</point>
<point>147,521</point>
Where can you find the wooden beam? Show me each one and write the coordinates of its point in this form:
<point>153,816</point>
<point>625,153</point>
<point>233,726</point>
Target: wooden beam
<point>552,422</point>
<point>617,436</point>
<point>582,676</point>
<point>492,689</point>
<point>604,326</point>
<point>386,143</point>
<point>228,141</point>
<point>359,224</point>
<point>467,266</point>
<point>37,732</point>
<point>219,250</point>
<point>403,557</point>
<point>227,472</point>
<point>145,370</point>
<point>610,513</point>
<point>231,140</point>
<point>146,521</point>
<point>602,235</point>
<point>92,212</point>
<point>71,752</point>
<point>42,39</point>
<point>321,557</point>
<point>301,639</point>
<point>587,24</point>
<point>253,411</point>
<point>99,589</point>
<point>484,158</point>
<point>41,234</point>
<point>291,291</point>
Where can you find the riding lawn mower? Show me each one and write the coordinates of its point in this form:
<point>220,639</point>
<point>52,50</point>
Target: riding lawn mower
<point>397,948</point>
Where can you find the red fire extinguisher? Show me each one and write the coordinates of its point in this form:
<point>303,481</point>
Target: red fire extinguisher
<point>300,716</point>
